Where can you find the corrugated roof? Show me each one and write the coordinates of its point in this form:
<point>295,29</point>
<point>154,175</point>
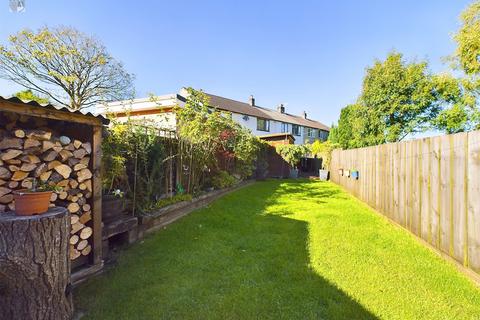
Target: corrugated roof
<point>104,120</point>
<point>260,112</point>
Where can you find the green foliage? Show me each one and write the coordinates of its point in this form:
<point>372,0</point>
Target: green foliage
<point>134,161</point>
<point>355,129</point>
<point>292,153</point>
<point>164,202</point>
<point>28,95</point>
<point>223,180</point>
<point>400,99</point>
<point>324,150</point>
<point>468,40</point>
<point>67,66</point>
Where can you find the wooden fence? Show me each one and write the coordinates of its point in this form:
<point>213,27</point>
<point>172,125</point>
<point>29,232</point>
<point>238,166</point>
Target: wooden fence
<point>430,186</point>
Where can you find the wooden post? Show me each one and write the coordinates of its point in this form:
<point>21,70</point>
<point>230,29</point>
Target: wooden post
<point>35,266</point>
<point>97,195</point>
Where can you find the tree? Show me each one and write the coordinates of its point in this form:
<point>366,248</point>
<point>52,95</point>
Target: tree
<point>463,114</point>
<point>69,67</point>
<point>401,95</point>
<point>28,95</point>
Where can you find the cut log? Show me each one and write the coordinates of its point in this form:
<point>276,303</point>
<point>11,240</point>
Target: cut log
<point>19,133</point>
<point>47,145</point>
<point>10,154</point>
<point>27,167</point>
<point>82,186</point>
<point>74,219</point>
<point>11,143</point>
<point>3,208</point>
<point>77,144</point>
<point>42,168</point>
<point>6,199</point>
<point>65,155</point>
<point>30,158</point>
<point>82,245</point>
<point>73,161</point>
<point>55,177</point>
<point>2,182</point>
<point>13,184</point>
<point>50,156</point>
<point>31,143</point>
<point>88,195</point>
<point>19,175</point>
<point>64,170</point>
<point>4,191</point>
<point>70,147</point>
<point>53,197</point>
<point>73,183</point>
<point>80,153</point>
<point>85,161</point>
<point>87,250</point>
<point>83,175</point>
<point>35,266</point>
<point>73,207</point>
<point>62,184</point>
<point>86,207</point>
<point>74,253</point>
<point>39,134</point>
<point>64,140</point>
<point>53,164</point>
<point>13,168</point>
<point>5,174</point>
<point>45,176</point>
<point>74,199</point>
<point>34,150</point>
<point>27,183</point>
<point>81,200</point>
<point>79,166</point>
<point>86,233</point>
<point>74,239</point>
<point>88,147</point>
<point>84,218</point>
<point>62,195</point>
<point>76,227</point>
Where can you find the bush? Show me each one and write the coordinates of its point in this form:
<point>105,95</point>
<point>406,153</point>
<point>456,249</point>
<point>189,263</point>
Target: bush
<point>223,180</point>
<point>168,201</point>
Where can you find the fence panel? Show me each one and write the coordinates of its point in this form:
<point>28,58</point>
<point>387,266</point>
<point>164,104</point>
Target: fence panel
<point>430,186</point>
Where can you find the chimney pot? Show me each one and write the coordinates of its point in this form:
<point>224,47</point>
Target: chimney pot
<point>304,114</point>
<point>281,108</point>
<point>251,100</point>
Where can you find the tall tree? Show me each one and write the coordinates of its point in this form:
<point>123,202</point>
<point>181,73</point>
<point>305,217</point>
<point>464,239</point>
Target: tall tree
<point>400,94</point>
<point>69,67</point>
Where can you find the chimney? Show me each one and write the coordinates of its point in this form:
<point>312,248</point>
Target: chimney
<point>304,114</point>
<point>251,101</point>
<point>281,108</point>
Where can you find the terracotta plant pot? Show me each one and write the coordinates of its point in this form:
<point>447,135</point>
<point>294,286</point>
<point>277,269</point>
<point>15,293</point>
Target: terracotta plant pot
<point>28,203</point>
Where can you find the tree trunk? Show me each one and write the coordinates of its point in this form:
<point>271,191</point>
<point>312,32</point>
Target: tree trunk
<point>35,266</point>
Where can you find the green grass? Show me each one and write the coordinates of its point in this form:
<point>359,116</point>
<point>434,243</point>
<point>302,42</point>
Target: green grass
<point>281,250</point>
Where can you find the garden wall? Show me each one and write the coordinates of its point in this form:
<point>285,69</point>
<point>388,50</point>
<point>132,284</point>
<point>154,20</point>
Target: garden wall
<point>429,186</point>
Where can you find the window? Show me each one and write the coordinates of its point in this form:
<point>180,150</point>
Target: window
<point>323,135</point>
<point>310,132</point>
<point>295,130</point>
<point>263,124</point>
<point>284,127</point>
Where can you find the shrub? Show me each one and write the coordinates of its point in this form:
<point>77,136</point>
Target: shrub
<point>292,153</point>
<point>223,180</point>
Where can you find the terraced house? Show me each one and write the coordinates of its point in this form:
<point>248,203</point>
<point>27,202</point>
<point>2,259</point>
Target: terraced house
<point>263,122</point>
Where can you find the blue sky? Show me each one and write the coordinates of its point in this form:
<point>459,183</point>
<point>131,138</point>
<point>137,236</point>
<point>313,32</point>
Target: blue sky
<point>309,55</point>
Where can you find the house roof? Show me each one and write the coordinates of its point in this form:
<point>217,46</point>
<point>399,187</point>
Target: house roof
<point>260,112</point>
<point>49,106</point>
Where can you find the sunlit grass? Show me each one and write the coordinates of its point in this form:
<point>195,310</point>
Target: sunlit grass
<point>281,250</point>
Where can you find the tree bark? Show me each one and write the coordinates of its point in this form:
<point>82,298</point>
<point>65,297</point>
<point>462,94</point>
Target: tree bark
<point>35,266</point>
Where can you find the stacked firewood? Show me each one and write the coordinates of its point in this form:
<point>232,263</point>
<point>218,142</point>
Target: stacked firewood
<point>60,161</point>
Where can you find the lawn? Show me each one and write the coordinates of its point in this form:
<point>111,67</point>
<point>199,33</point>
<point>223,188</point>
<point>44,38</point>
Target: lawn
<point>281,249</point>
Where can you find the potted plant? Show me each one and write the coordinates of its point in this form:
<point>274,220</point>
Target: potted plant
<point>33,201</point>
<point>324,150</point>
